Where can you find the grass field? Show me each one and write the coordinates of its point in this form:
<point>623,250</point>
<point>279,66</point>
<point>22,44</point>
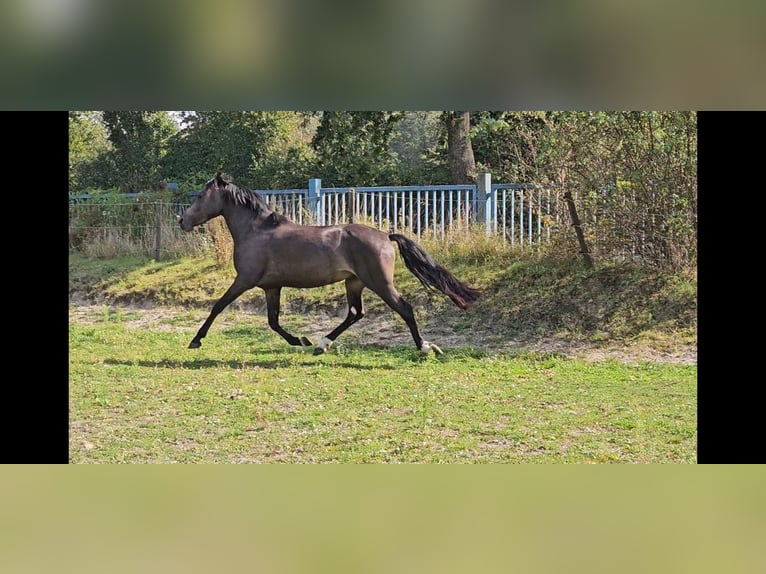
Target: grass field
<point>138,395</point>
<point>500,394</point>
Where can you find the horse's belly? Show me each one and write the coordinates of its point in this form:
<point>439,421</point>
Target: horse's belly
<point>319,281</point>
<point>306,279</point>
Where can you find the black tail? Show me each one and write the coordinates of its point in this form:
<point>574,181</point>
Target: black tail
<point>433,275</point>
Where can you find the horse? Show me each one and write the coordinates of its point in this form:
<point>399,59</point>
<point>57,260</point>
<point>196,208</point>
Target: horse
<point>271,252</point>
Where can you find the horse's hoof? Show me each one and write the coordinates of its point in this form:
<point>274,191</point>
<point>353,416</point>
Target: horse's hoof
<point>306,343</point>
<point>195,344</point>
<point>427,347</point>
<point>323,345</point>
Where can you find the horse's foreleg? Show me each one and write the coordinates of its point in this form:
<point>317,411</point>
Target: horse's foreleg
<point>236,289</point>
<point>354,289</point>
<point>272,309</point>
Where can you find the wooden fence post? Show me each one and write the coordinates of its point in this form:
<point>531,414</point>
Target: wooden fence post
<point>578,229</point>
<point>158,231</point>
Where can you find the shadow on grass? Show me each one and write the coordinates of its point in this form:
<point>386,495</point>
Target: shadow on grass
<point>234,364</point>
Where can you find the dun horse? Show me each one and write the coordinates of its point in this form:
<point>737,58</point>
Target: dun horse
<point>271,252</point>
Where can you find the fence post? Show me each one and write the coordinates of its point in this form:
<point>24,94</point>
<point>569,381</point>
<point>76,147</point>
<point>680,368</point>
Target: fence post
<point>314,200</point>
<point>158,231</point>
<point>484,192</point>
<point>578,229</point>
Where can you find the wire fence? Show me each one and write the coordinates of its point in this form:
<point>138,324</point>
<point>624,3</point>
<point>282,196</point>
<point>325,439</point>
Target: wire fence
<point>131,227</point>
<point>622,226</point>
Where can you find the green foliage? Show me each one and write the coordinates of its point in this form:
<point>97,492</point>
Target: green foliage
<point>290,170</point>
<point>238,143</point>
<point>632,174</point>
<point>139,141</point>
<point>88,144</point>
<point>508,144</point>
<point>419,146</point>
<point>352,148</point>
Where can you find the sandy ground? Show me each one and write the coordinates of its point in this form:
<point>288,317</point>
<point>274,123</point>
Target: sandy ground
<point>387,329</point>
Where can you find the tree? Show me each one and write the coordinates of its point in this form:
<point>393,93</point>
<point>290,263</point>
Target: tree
<point>353,148</point>
<point>635,176</point>
<point>139,141</point>
<point>415,145</point>
<point>462,164</point>
<point>244,144</point>
<point>510,144</point>
<point>631,174</point>
<point>87,143</point>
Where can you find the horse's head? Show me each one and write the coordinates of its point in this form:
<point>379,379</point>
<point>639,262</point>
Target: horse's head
<point>209,203</point>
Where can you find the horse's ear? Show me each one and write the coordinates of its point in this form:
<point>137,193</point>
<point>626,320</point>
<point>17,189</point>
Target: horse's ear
<point>221,179</point>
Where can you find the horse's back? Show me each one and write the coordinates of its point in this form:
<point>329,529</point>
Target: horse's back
<point>356,247</point>
<point>367,240</point>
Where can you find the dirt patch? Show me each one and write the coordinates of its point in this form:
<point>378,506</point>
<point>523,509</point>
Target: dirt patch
<point>386,329</point>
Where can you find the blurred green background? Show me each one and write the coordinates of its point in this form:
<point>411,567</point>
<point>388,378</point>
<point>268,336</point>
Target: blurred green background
<point>399,54</point>
<point>335,519</point>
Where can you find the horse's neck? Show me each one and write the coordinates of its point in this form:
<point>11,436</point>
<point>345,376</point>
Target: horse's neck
<point>239,220</point>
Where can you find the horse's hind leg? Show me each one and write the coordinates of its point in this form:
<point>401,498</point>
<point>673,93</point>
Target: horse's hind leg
<point>354,289</point>
<point>272,310</point>
<point>391,296</point>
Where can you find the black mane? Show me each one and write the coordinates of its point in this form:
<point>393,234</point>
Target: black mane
<point>245,197</point>
<point>254,201</point>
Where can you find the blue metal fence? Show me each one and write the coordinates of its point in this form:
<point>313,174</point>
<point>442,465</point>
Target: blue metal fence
<point>520,214</point>
<point>419,210</point>
<point>524,214</point>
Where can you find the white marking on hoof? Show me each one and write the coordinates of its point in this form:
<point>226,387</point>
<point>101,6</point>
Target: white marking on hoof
<point>324,344</point>
<point>427,347</point>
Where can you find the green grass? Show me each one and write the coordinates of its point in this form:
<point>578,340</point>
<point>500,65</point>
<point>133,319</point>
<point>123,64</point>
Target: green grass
<point>525,295</point>
<point>138,395</point>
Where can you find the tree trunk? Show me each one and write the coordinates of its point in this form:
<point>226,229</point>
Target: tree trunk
<point>462,164</point>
